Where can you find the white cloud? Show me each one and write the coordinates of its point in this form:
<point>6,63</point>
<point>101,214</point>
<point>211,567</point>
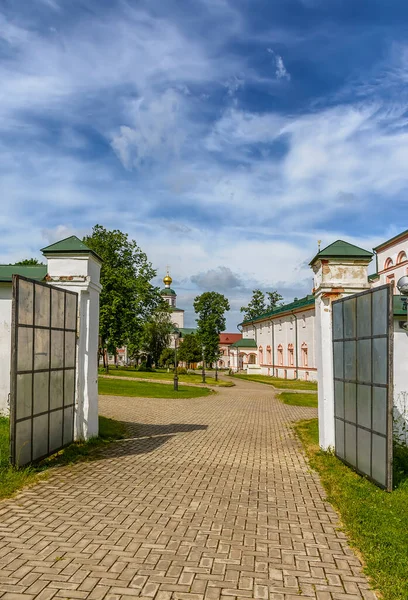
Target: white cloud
<point>157,130</point>
<point>281,72</point>
<point>221,279</point>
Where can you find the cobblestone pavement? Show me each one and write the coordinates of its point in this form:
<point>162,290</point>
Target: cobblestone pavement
<point>211,499</point>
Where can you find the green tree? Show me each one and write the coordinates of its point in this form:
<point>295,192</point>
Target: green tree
<point>190,349</point>
<point>258,306</point>
<point>167,357</point>
<point>29,262</point>
<point>274,299</point>
<point>128,299</point>
<point>157,333</point>
<point>255,307</point>
<point>210,308</point>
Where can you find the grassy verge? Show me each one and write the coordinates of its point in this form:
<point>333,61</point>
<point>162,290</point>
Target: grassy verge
<point>299,399</point>
<point>148,389</point>
<point>12,479</point>
<point>283,384</point>
<point>190,378</point>
<point>375,521</point>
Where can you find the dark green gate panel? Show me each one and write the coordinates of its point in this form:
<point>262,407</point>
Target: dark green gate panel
<point>43,368</point>
<point>363,382</point>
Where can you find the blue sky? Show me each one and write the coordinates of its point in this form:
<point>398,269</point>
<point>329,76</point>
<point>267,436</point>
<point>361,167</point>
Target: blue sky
<point>226,137</point>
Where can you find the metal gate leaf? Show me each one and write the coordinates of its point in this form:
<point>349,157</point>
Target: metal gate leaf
<point>363,382</point>
<point>42,391</point>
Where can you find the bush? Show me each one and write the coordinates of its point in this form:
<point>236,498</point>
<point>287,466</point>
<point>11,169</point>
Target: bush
<point>182,371</point>
<point>143,367</point>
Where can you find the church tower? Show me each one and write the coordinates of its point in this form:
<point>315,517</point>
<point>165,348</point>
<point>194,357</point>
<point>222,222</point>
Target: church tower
<point>170,296</point>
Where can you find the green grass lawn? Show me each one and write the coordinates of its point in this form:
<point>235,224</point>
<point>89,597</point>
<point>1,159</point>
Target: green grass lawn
<point>12,479</point>
<point>299,399</point>
<point>283,384</point>
<point>163,374</point>
<point>376,521</point>
<point>148,389</point>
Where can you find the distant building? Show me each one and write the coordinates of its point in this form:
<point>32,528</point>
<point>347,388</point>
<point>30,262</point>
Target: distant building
<point>279,343</point>
<point>226,341</point>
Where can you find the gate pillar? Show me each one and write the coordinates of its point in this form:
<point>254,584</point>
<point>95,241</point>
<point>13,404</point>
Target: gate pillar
<point>74,266</point>
<point>339,270</point>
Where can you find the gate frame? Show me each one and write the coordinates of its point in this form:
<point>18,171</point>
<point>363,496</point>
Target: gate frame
<point>390,384</point>
<point>14,373</point>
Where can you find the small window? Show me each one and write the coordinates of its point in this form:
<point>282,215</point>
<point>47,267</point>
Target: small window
<point>290,355</point>
<point>304,355</point>
<point>388,263</point>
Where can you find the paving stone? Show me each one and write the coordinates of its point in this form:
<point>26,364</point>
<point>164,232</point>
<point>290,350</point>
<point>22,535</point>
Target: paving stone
<point>209,498</point>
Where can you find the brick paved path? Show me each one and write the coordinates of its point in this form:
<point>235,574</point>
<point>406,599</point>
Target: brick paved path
<point>211,499</point>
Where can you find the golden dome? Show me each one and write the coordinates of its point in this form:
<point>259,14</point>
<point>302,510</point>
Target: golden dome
<point>167,280</point>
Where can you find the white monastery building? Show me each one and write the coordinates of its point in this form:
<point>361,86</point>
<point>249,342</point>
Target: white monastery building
<point>281,343</point>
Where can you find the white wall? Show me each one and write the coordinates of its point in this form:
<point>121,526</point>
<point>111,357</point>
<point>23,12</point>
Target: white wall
<point>281,330</point>
<point>81,274</point>
<point>5,345</point>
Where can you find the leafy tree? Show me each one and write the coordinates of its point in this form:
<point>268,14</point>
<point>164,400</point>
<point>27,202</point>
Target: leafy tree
<point>127,299</point>
<point>29,262</point>
<point>190,349</point>
<point>167,357</point>
<point>274,299</point>
<point>210,308</point>
<point>255,307</point>
<point>157,333</point>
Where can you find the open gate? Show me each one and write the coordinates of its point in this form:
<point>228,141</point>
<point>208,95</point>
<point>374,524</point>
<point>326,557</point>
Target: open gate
<point>43,369</point>
<point>363,382</point>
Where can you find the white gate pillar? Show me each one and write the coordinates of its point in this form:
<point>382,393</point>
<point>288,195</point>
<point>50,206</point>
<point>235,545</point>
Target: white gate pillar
<point>340,270</point>
<point>74,266</point>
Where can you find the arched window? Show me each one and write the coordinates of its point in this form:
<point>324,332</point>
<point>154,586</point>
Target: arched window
<point>260,355</point>
<point>290,355</point>
<point>402,257</point>
<point>304,355</point>
<point>388,263</point>
<point>252,359</point>
<point>280,355</point>
<point>268,355</point>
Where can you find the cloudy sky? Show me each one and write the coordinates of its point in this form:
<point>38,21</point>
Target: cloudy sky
<point>225,136</point>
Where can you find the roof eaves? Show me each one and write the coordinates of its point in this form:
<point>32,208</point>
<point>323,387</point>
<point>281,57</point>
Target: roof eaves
<point>298,305</point>
<point>393,239</point>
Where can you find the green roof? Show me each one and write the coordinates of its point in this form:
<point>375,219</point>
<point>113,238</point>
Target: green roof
<point>373,276</point>
<point>168,292</point>
<point>306,302</point>
<point>37,272</point>
<point>69,245</point>
<point>244,343</point>
<point>341,249</point>
<point>186,331</point>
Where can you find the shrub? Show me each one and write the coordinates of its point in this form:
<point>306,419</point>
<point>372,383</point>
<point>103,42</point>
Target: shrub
<point>182,371</point>
<point>143,367</point>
